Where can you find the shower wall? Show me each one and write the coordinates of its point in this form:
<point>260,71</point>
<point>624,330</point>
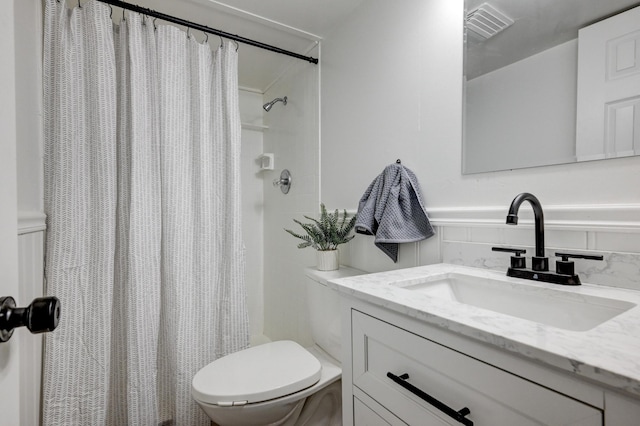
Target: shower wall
<point>293,136</point>
<point>252,206</point>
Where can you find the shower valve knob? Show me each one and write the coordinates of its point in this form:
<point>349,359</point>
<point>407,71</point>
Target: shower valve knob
<point>284,182</point>
<point>42,315</point>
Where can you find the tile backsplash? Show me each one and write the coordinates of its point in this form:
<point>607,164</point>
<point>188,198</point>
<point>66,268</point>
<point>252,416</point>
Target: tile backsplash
<point>610,231</point>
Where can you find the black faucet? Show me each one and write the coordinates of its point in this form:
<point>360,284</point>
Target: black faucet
<point>564,274</point>
<point>538,262</point>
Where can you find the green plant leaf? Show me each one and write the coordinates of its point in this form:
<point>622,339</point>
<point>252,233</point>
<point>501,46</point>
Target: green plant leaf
<point>327,232</point>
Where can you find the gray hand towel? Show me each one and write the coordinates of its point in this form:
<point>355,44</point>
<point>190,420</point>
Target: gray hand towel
<point>392,209</point>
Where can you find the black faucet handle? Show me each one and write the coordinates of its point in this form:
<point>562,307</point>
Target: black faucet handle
<point>516,261</point>
<point>517,251</point>
<point>565,256</point>
<point>567,267</point>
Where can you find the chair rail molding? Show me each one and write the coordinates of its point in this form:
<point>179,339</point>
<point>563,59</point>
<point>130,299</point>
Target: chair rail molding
<point>31,221</point>
<point>583,217</point>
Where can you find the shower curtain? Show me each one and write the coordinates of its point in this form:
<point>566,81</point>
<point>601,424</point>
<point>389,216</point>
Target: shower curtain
<point>144,250</point>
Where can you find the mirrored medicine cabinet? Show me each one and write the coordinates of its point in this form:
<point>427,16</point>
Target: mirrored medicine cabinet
<point>539,77</point>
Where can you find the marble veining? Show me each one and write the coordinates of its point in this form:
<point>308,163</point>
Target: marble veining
<point>607,353</point>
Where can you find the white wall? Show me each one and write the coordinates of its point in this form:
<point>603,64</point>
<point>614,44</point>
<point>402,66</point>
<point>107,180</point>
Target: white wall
<point>293,138</point>
<point>28,15</point>
<point>392,88</point>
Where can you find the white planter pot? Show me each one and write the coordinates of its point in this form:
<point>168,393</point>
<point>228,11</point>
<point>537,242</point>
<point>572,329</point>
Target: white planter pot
<point>327,260</point>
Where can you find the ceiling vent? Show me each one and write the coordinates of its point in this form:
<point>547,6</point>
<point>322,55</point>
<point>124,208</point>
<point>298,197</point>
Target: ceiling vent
<point>487,21</point>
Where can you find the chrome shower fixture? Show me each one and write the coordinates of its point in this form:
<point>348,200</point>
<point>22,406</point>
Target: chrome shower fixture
<point>268,105</point>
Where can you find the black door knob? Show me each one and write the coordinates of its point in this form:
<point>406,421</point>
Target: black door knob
<point>42,315</point>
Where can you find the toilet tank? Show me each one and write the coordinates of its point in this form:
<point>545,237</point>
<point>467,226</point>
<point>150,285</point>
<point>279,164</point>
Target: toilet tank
<point>324,308</point>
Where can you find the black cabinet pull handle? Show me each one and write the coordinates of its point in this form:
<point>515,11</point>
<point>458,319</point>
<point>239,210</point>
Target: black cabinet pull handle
<point>457,415</point>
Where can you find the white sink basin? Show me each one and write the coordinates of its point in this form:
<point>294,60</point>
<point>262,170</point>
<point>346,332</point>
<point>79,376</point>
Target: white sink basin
<point>563,309</point>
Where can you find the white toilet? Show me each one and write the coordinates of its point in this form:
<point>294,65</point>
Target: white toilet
<point>281,383</point>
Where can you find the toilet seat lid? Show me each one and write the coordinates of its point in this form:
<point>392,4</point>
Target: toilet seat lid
<point>256,374</point>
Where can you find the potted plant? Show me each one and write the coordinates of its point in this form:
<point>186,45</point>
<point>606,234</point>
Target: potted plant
<point>325,235</point>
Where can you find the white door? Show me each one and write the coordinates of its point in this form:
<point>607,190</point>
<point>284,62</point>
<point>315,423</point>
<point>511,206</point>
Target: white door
<point>9,355</point>
<point>608,113</point>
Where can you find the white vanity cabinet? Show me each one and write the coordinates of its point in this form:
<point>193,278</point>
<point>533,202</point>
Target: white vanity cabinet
<point>382,347</point>
<point>493,396</point>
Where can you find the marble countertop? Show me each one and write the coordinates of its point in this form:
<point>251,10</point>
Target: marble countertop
<point>608,353</point>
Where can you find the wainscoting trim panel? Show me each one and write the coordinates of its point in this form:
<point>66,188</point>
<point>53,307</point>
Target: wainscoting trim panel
<point>31,221</point>
<point>600,217</point>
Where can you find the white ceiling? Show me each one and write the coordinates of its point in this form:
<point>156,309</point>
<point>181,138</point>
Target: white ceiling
<point>539,25</point>
<point>294,25</point>
<point>313,16</point>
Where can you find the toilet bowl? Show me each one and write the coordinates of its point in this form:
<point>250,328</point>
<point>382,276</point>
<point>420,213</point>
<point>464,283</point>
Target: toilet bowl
<point>281,383</point>
<point>270,391</point>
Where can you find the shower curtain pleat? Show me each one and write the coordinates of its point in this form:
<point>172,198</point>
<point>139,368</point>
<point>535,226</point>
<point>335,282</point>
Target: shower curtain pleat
<point>142,195</point>
<point>137,299</point>
<point>80,200</point>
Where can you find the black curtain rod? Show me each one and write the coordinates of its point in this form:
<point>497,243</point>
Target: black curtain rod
<point>179,21</point>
